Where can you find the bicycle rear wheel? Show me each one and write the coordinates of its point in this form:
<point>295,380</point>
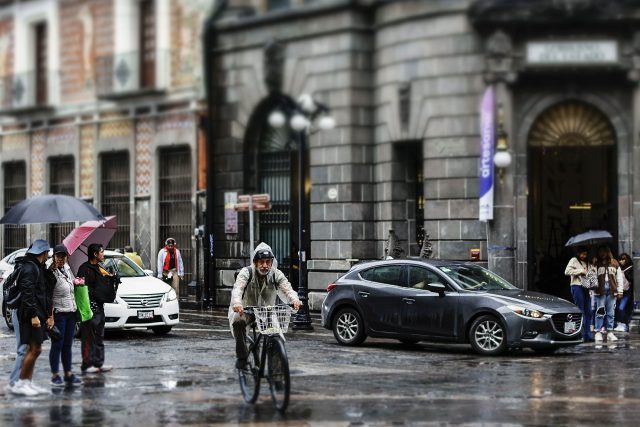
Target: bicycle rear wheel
<point>278,373</point>
<point>250,376</point>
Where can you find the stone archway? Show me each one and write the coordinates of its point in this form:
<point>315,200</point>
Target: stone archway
<point>572,186</point>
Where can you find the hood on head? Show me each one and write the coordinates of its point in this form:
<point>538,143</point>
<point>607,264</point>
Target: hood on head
<point>261,247</point>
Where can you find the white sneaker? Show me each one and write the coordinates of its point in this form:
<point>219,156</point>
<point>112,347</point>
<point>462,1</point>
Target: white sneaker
<point>620,328</point>
<point>21,388</point>
<point>611,337</point>
<point>598,337</point>
<point>38,389</point>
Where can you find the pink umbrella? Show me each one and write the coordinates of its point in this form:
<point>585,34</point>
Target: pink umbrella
<point>85,234</point>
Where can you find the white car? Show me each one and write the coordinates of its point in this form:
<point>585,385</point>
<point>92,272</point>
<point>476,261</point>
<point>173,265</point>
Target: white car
<point>142,301</point>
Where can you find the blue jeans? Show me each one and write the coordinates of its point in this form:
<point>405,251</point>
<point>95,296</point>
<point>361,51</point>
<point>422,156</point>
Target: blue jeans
<point>623,313</point>
<point>605,310</point>
<point>66,323</point>
<point>582,299</point>
<point>21,349</point>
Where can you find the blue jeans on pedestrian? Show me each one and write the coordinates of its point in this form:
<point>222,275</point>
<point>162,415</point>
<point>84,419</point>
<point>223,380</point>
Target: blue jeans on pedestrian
<point>605,310</point>
<point>21,349</point>
<point>582,299</point>
<point>623,313</point>
<point>66,323</point>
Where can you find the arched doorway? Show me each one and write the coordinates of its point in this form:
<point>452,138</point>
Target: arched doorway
<point>572,187</point>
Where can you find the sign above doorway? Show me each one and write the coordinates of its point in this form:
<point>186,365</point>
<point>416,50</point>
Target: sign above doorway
<point>578,52</point>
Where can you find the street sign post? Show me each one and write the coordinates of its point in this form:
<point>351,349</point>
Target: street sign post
<point>251,203</point>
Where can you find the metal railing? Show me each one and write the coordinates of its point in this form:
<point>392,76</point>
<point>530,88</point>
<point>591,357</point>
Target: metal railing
<point>20,90</point>
<point>15,190</point>
<point>123,73</point>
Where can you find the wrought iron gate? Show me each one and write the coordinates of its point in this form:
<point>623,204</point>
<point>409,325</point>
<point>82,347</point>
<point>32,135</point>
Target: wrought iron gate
<point>61,181</point>
<point>115,195</point>
<point>15,190</point>
<point>275,225</point>
<point>176,219</point>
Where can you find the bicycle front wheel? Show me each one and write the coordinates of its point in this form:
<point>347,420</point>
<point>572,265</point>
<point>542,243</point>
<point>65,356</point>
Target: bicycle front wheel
<point>278,373</point>
<point>250,376</point>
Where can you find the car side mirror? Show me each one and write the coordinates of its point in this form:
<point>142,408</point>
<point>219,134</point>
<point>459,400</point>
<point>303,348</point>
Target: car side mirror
<point>148,272</point>
<point>438,288</point>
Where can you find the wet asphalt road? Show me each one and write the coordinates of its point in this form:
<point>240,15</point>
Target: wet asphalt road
<point>187,378</point>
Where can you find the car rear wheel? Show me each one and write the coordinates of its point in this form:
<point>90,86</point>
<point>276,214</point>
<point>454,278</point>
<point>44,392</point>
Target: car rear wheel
<point>161,330</point>
<point>348,327</point>
<point>488,336</point>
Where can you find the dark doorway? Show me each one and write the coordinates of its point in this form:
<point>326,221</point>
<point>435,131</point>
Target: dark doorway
<point>572,189</point>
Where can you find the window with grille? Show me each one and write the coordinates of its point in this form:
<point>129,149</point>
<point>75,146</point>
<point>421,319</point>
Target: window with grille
<point>61,181</point>
<point>175,191</point>
<point>41,63</point>
<point>114,195</point>
<point>15,190</point>
<point>147,44</point>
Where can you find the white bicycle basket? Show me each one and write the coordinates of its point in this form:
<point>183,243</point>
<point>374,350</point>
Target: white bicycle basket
<point>273,319</point>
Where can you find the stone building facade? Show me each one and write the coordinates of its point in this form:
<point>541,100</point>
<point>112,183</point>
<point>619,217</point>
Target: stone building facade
<point>404,81</point>
<point>104,100</point>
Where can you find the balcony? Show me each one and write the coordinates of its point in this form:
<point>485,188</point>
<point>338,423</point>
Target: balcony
<point>127,75</point>
<point>21,93</point>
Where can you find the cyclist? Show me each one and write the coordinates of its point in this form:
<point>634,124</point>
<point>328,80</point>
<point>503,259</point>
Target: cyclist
<point>257,285</point>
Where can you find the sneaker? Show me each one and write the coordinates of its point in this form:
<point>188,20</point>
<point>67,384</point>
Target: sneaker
<point>611,337</point>
<point>21,388</point>
<point>620,328</point>
<point>57,381</point>
<point>105,368</point>
<point>38,389</point>
<point>72,381</point>
<point>598,337</point>
<point>91,370</point>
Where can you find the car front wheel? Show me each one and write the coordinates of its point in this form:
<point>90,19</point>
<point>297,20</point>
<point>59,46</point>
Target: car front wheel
<point>348,327</point>
<point>6,313</point>
<point>488,336</point>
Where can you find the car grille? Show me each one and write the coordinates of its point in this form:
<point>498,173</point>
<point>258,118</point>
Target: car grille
<point>559,319</point>
<point>143,301</point>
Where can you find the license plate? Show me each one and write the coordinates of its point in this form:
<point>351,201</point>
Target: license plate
<point>570,327</point>
<point>148,314</point>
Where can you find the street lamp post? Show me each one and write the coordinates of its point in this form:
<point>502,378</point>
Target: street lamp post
<point>302,118</point>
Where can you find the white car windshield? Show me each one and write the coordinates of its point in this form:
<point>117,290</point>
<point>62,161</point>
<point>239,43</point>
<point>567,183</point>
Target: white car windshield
<point>475,278</point>
<point>123,266</point>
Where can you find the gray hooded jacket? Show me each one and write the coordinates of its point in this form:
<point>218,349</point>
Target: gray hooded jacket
<point>260,291</point>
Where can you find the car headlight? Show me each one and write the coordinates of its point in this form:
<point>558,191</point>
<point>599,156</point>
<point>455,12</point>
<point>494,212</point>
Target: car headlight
<point>171,295</point>
<point>536,314</point>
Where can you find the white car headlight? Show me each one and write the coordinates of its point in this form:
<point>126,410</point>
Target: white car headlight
<point>536,314</point>
<point>171,295</point>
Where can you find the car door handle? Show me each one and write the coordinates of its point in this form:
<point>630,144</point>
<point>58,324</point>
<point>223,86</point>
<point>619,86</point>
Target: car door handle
<point>363,294</point>
<point>408,300</point>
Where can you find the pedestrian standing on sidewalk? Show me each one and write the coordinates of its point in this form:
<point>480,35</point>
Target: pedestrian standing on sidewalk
<point>624,308</point>
<point>36,289</point>
<point>170,266</point>
<point>577,271</point>
<point>102,287</point>
<point>610,283</point>
<point>21,349</point>
<point>64,315</point>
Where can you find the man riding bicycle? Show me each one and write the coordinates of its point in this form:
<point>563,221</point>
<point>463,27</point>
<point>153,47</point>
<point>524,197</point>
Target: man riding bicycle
<point>257,285</point>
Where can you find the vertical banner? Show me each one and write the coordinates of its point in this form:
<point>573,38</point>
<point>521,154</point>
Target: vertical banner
<point>487,137</point>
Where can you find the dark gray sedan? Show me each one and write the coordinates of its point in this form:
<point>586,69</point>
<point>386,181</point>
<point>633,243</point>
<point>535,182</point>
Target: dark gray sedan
<point>414,299</point>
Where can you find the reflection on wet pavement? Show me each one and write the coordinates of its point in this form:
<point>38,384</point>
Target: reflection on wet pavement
<point>187,378</point>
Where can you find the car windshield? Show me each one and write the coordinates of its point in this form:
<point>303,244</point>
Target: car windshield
<point>123,266</point>
<point>475,278</point>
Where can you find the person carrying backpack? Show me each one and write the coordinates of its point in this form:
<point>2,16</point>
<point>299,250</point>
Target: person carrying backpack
<point>257,285</point>
<point>35,314</point>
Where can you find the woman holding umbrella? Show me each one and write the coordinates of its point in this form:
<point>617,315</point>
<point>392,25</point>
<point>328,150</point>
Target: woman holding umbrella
<point>610,288</point>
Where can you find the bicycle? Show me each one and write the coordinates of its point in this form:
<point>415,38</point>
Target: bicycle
<point>267,355</point>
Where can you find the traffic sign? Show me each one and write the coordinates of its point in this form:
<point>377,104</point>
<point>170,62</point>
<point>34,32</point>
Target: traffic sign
<point>261,198</point>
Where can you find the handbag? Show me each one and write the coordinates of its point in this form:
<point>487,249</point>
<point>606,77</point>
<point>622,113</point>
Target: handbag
<point>54,333</point>
<point>590,280</point>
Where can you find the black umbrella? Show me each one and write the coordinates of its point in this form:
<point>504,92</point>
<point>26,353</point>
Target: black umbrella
<point>591,237</point>
<point>51,209</point>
